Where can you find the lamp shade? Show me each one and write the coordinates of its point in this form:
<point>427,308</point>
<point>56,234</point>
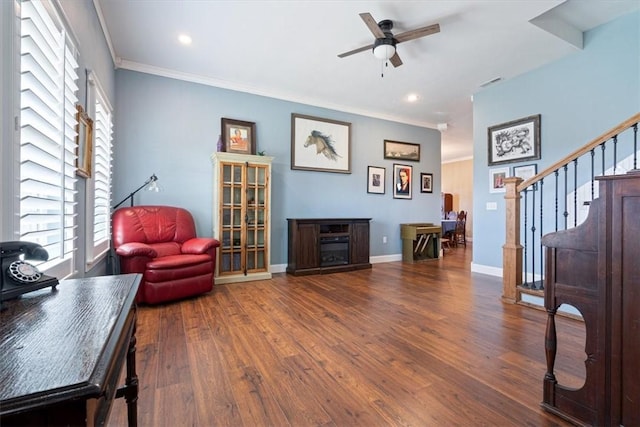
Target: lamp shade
<point>384,51</point>
<point>153,185</point>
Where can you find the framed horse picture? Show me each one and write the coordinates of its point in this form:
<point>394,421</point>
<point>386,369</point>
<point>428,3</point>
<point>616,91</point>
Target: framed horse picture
<point>322,145</point>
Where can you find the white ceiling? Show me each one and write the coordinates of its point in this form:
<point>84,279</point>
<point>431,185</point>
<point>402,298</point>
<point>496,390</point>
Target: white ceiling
<point>288,50</point>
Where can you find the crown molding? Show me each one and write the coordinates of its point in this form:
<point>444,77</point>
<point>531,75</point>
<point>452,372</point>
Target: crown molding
<point>225,84</point>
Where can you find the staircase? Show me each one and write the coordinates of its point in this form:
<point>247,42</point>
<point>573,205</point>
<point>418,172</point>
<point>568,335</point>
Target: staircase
<point>557,199</point>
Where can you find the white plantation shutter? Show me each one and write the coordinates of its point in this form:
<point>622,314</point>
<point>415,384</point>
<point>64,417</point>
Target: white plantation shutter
<point>99,234</point>
<point>47,135</point>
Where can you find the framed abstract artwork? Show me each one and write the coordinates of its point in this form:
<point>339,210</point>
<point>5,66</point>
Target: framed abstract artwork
<point>514,141</point>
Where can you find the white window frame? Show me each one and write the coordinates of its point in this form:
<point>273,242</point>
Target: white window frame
<point>103,129</point>
<point>63,265</point>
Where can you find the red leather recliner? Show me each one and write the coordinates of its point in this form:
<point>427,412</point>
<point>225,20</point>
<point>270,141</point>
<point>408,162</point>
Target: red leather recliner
<point>160,242</point>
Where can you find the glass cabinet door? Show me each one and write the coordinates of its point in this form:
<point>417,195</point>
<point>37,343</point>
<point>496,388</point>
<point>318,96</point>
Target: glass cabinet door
<point>231,217</point>
<point>256,216</point>
<point>243,218</point>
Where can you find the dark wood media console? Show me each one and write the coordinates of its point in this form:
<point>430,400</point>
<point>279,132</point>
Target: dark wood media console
<point>318,246</point>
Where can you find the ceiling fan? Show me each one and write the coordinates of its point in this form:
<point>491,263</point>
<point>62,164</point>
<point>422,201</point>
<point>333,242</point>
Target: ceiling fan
<point>384,46</point>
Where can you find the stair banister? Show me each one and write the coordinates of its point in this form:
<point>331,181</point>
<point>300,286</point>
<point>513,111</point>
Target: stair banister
<point>512,249</point>
<point>581,151</point>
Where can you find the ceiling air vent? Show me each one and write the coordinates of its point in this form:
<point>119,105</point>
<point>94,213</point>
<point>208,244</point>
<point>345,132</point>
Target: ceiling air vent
<point>490,82</point>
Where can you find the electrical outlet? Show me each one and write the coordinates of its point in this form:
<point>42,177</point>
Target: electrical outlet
<point>384,239</point>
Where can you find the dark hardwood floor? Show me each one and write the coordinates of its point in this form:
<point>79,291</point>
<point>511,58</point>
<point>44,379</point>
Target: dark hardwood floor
<point>425,344</point>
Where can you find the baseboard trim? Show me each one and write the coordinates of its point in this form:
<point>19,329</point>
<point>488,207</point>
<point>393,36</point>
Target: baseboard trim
<point>278,268</point>
<point>486,269</point>
<point>385,258</point>
<point>282,268</point>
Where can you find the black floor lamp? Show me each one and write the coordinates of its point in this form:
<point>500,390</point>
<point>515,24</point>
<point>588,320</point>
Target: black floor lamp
<point>152,185</point>
<point>152,182</point>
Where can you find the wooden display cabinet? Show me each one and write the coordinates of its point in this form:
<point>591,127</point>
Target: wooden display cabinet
<point>241,216</point>
<point>319,246</point>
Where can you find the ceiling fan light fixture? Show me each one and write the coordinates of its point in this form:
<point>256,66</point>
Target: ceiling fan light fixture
<point>384,49</point>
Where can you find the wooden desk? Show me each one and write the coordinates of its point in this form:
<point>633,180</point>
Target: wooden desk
<point>420,241</point>
<point>62,351</point>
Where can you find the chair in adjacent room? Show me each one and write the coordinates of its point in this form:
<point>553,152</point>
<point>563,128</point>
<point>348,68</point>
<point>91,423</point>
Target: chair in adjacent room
<point>460,232</point>
<point>160,243</point>
<point>445,243</point>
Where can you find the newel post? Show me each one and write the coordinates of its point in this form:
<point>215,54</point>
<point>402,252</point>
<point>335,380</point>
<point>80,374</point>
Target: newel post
<point>512,249</point>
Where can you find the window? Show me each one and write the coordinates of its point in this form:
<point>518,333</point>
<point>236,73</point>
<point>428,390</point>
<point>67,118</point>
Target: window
<point>48,87</point>
<point>99,186</point>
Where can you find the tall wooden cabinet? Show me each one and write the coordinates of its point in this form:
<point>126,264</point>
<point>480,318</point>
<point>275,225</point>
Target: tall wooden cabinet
<point>447,203</point>
<point>241,216</point>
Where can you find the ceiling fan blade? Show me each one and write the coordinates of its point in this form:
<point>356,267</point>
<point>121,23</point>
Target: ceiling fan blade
<point>417,33</point>
<point>360,49</point>
<point>395,60</point>
<point>372,25</point>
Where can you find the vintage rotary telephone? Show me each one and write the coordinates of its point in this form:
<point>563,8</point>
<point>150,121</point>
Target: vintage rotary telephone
<point>19,277</point>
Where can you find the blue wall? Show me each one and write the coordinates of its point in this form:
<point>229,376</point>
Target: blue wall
<point>579,98</point>
<point>93,50</point>
<point>170,127</point>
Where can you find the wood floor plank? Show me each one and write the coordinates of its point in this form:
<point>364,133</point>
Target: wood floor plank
<point>401,344</point>
<point>192,313</point>
<point>338,401</point>
<point>255,402</point>
<point>173,362</point>
<point>174,406</point>
<point>208,373</point>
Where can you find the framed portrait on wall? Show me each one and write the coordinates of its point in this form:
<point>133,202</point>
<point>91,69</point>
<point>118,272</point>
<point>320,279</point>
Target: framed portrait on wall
<point>402,176</point>
<point>496,179</point>
<point>238,136</point>
<point>375,180</point>
<point>426,183</point>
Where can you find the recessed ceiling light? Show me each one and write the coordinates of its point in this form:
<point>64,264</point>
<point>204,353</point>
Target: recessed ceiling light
<point>184,39</point>
<point>412,97</point>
